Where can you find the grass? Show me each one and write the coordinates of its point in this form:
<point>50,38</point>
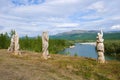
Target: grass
<point>31,66</point>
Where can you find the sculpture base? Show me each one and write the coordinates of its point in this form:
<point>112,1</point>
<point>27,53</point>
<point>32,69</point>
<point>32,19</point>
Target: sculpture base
<point>101,58</point>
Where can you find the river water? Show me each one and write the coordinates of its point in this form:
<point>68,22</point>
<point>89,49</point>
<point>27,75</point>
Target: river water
<point>85,50</point>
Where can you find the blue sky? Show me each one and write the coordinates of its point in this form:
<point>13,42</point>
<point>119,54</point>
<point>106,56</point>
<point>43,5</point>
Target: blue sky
<point>32,17</point>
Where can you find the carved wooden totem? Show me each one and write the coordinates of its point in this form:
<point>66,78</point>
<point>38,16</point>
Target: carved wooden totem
<point>45,44</point>
<point>100,47</point>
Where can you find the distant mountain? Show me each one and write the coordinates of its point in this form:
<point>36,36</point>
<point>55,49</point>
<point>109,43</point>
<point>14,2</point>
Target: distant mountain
<point>77,32</point>
<point>86,35</point>
<point>113,32</point>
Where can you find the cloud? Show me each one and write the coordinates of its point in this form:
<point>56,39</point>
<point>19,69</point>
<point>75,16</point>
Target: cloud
<point>58,8</point>
<point>67,25</point>
<point>1,27</point>
<point>98,6</point>
<point>34,16</point>
<point>117,27</point>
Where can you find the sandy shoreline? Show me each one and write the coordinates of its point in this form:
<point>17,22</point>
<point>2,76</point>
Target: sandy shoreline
<point>90,43</point>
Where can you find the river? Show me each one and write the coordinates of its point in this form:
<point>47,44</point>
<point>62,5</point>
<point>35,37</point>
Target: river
<point>85,50</point>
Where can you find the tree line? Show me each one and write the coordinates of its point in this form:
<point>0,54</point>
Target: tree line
<point>112,47</point>
<point>33,43</point>
<point>55,45</point>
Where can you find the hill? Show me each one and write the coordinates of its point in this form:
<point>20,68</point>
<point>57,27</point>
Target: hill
<point>86,35</point>
<point>30,66</point>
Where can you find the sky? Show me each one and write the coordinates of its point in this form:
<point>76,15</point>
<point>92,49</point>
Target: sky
<point>32,17</point>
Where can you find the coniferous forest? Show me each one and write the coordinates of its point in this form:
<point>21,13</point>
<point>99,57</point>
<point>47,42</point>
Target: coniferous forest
<point>33,43</point>
<point>55,45</point>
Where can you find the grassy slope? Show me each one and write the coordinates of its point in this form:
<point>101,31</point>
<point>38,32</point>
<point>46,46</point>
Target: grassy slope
<point>31,66</point>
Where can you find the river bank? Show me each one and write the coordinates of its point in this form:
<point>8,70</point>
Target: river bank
<point>86,50</point>
<point>89,43</point>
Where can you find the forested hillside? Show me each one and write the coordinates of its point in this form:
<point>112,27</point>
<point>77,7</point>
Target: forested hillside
<point>86,35</point>
<point>34,43</point>
<point>56,44</point>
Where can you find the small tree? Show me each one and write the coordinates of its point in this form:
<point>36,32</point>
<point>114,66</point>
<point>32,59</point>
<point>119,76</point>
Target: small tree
<point>12,32</point>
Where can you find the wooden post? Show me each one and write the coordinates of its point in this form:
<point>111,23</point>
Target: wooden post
<point>45,44</point>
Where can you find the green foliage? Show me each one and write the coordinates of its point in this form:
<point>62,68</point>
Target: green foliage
<point>75,54</point>
<point>81,36</point>
<point>4,40</point>
<point>12,32</point>
<point>34,43</point>
<point>112,36</point>
<point>56,45</point>
<point>68,53</point>
<point>112,47</point>
<point>87,36</point>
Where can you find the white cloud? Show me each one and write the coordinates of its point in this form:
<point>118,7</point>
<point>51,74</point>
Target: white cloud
<point>49,8</point>
<point>67,25</point>
<point>98,6</point>
<point>58,15</point>
<point>117,27</point>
